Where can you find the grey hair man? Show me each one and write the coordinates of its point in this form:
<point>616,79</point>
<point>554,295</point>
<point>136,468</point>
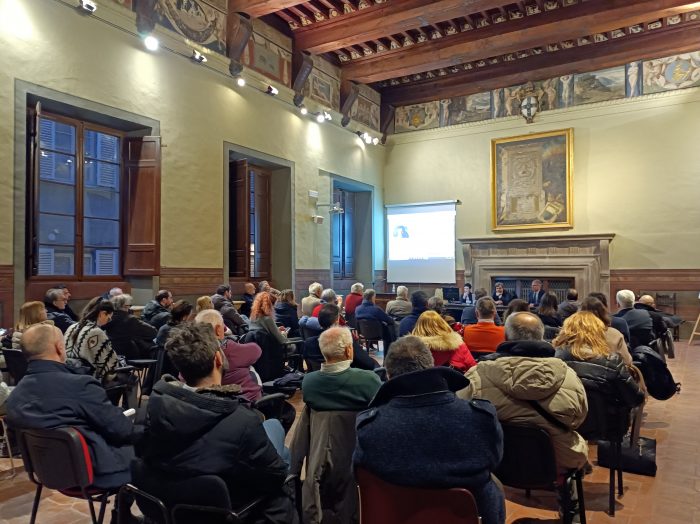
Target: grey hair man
<point>423,398</point>
<point>56,309</point>
<point>524,326</point>
<point>400,307</point>
<point>308,303</point>
<point>328,296</point>
<point>357,287</point>
<point>130,336</point>
<point>569,306</point>
<point>640,323</point>
<point>337,386</point>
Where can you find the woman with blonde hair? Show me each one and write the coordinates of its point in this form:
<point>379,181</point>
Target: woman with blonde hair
<point>445,344</point>
<point>582,345</point>
<point>204,303</point>
<point>262,316</point>
<point>29,314</point>
<point>614,339</point>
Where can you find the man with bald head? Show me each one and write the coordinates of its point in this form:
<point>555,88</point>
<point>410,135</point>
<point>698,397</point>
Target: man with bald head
<point>51,395</point>
<point>646,303</point>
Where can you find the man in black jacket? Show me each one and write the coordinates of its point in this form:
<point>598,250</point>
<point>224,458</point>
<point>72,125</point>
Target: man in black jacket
<point>57,309</point>
<point>638,320</point>
<point>646,303</point>
<point>51,395</point>
<point>368,310</point>
<point>131,337</point>
<point>157,311</point>
<point>223,304</point>
<point>202,428</point>
<point>419,300</point>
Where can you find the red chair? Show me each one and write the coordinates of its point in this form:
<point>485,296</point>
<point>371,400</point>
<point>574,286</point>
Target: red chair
<point>384,503</point>
<point>60,459</point>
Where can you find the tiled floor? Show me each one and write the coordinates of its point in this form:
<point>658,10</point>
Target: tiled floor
<point>672,497</point>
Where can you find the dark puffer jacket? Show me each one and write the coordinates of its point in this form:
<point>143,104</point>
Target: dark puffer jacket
<point>155,314</point>
<point>210,432</point>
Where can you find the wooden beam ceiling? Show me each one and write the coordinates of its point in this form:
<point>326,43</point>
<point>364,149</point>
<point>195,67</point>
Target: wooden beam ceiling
<point>258,8</point>
<point>391,18</point>
<point>681,39</point>
<point>554,26</point>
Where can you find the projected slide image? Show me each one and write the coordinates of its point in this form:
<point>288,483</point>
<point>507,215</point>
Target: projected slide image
<point>421,236</point>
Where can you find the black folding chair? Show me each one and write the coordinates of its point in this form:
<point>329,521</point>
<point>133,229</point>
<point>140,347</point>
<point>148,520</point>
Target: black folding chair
<point>529,463</point>
<point>60,459</point>
<point>371,332</point>
<point>16,364</point>
<point>152,507</point>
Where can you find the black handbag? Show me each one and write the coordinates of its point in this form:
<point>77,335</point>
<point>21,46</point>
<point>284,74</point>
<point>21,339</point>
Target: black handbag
<point>639,459</point>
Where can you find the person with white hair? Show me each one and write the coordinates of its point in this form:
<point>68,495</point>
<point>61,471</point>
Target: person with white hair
<point>337,386</point>
<point>354,299</point>
<point>309,303</point>
<point>130,336</point>
<point>638,320</point>
<point>400,307</point>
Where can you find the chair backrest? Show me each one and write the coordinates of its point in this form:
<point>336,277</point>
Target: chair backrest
<point>384,503</point>
<point>550,332</point>
<point>152,507</point>
<point>605,419</point>
<point>270,365</point>
<point>528,458</point>
<point>369,328</point>
<point>56,458</point>
<point>16,363</point>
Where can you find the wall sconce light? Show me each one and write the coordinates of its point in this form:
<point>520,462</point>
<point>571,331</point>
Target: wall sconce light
<point>88,6</point>
<point>198,57</point>
<point>272,91</point>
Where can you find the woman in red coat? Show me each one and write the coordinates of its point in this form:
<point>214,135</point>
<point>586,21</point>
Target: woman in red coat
<point>447,347</point>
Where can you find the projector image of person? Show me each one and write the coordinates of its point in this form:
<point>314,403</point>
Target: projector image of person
<point>401,231</point>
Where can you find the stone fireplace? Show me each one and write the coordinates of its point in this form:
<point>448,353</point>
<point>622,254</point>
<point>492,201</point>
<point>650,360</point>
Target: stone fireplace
<point>585,258</point>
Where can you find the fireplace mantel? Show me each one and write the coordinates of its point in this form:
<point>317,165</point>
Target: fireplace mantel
<point>582,257</point>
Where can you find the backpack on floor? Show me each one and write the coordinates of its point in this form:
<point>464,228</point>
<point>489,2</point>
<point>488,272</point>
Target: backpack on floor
<point>657,377</point>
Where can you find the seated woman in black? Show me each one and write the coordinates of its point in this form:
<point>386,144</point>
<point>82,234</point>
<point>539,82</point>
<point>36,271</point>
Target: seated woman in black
<point>286,312</point>
<point>548,311</point>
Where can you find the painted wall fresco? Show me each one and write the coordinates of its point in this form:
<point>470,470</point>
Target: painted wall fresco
<point>323,84</point>
<point>366,108</point>
<point>201,22</point>
<point>672,72</point>
<point>269,52</point>
<point>624,81</point>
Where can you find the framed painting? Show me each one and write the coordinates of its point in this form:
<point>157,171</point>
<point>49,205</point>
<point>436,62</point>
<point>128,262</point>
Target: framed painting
<point>531,181</point>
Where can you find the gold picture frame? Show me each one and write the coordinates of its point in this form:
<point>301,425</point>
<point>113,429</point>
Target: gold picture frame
<point>531,181</point>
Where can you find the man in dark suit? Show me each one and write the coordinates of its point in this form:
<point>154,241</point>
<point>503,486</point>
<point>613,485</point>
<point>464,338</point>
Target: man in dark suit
<point>535,296</point>
<point>638,320</point>
<point>368,310</point>
<point>500,296</point>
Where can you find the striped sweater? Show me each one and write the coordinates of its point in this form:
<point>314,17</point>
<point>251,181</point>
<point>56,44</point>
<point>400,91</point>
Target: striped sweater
<point>91,347</point>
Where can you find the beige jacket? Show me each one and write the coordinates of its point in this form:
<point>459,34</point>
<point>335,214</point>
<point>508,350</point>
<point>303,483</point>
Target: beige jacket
<point>616,343</point>
<point>510,382</point>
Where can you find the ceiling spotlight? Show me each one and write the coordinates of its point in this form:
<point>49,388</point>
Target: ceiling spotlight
<point>88,6</point>
<point>198,57</point>
<point>272,91</point>
<point>151,43</point>
<point>240,81</point>
<point>320,118</point>
<point>327,115</point>
<point>375,141</point>
<point>303,110</point>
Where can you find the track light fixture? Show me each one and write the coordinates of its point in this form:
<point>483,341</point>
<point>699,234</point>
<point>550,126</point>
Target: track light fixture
<point>375,141</point>
<point>88,6</point>
<point>303,110</point>
<point>198,57</point>
<point>272,91</point>
<point>240,81</point>
<point>367,138</point>
<point>151,43</point>
<point>320,118</point>
<point>327,115</point>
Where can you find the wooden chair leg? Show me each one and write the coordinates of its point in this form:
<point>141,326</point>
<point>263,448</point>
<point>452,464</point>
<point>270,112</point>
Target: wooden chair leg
<point>695,331</point>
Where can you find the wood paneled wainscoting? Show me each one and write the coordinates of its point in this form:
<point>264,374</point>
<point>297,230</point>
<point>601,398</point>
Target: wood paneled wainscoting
<point>7,279</point>
<point>190,281</point>
<point>685,283</point>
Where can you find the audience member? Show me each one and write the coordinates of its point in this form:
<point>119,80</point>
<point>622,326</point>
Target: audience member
<point>264,286</point>
<point>30,313</point>
<point>368,310</point>
<point>204,302</point>
<point>569,306</point>
<point>157,311</point>
<point>286,312</point>
<point>522,372</point>
<point>328,296</point>
<point>113,292</point>
<point>469,312</point>
<point>535,295</point>
<point>88,345</point>
<point>308,304</point>
<point>328,317</point>
<point>354,299</point>
<point>223,304</point>
<point>515,305</point>
<point>419,301</point>
<point>4,394</point>
<point>446,346</point>
<point>132,338</point>
<point>51,395</point>
<point>614,339</point>
<point>500,296</point>
<point>239,357</point>
<point>55,302</point>
<point>202,428</point>
<point>638,320</point>
<point>467,295</point>
<point>338,386</point>
<point>581,344</point>
<point>248,297</point>
<point>67,295</point>
<point>416,432</point>
<point>618,323</point>
<point>547,310</point>
<point>400,307</point>
<point>646,303</point>
<point>262,317</point>
<point>181,312</point>
<point>485,335</point>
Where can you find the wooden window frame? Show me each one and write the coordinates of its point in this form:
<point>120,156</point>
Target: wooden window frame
<point>33,199</point>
